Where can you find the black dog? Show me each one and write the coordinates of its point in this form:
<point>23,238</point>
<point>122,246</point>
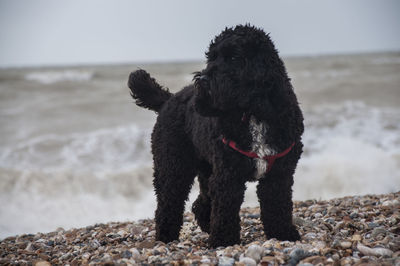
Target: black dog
<point>240,121</point>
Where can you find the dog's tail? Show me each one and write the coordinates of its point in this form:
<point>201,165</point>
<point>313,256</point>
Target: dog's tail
<point>146,91</point>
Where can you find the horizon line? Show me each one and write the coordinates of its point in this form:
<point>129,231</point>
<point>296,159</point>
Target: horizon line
<point>183,61</point>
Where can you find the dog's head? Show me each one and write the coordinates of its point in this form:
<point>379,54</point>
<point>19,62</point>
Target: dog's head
<point>242,73</point>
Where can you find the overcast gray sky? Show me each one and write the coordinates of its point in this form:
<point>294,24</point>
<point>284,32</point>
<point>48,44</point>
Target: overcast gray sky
<point>49,32</point>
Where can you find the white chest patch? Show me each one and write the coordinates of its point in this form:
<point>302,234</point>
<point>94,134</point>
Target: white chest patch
<point>258,131</point>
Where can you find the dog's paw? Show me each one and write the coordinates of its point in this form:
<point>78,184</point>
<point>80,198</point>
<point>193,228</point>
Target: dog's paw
<point>289,234</point>
<point>166,238</point>
<point>202,211</point>
<point>215,242</point>
<point>292,234</point>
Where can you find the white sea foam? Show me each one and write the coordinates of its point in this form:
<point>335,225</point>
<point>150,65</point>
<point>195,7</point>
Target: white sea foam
<point>349,149</point>
<point>40,202</point>
<point>346,166</point>
<point>333,73</point>
<point>106,150</point>
<point>49,77</point>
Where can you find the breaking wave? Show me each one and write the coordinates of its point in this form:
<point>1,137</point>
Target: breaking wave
<point>49,77</point>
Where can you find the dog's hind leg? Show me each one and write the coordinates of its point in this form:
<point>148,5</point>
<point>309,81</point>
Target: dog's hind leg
<point>202,205</point>
<point>172,189</point>
<point>174,173</point>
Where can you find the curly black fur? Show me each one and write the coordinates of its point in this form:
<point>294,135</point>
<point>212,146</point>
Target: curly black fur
<point>244,78</point>
<point>146,91</point>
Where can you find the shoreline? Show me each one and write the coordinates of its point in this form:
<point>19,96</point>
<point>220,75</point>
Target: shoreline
<point>352,230</point>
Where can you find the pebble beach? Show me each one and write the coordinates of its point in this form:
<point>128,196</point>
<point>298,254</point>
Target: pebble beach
<point>358,230</point>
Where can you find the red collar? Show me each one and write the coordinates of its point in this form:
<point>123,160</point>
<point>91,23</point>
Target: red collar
<point>269,158</point>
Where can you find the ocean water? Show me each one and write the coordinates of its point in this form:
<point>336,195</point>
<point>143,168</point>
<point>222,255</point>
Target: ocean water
<point>75,150</point>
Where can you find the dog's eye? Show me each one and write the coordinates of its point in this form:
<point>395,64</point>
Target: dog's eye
<point>230,57</point>
<point>235,59</point>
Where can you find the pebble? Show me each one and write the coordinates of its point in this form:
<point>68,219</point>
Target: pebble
<point>29,247</point>
<point>298,221</point>
<point>315,260</point>
<point>126,254</point>
<point>205,260</point>
<point>353,215</point>
<point>383,252</point>
<point>310,236</point>
<point>248,261</point>
<point>318,215</point>
<point>345,244</point>
<point>356,237</point>
<point>254,251</point>
<point>362,230</point>
<point>394,202</point>
<point>42,263</point>
<point>378,231</point>
<point>297,254</point>
<point>377,251</point>
<point>226,261</point>
<point>372,225</point>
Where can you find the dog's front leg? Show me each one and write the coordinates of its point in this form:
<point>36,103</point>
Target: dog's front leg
<point>274,192</point>
<point>227,194</point>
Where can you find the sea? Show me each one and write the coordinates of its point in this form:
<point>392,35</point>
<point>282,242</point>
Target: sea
<point>75,149</point>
